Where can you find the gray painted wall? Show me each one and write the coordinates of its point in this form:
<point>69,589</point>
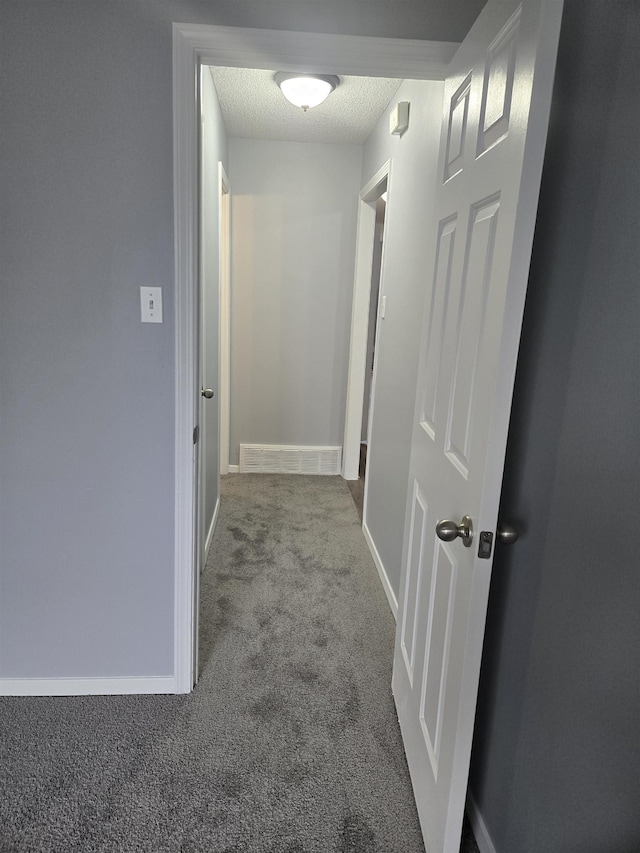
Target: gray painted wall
<point>214,149</point>
<point>86,458</point>
<point>293,223</point>
<point>556,762</point>
<point>414,157</point>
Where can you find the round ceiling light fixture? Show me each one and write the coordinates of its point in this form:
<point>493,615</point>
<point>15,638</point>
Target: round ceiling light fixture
<point>306,90</point>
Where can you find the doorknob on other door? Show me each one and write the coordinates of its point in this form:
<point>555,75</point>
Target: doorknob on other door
<point>207,392</point>
<point>449,530</point>
<point>506,533</point>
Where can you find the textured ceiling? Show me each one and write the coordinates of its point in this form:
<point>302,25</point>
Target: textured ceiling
<point>253,106</point>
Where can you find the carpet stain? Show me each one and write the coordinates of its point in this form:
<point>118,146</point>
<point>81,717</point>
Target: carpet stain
<point>351,708</point>
<point>267,708</point>
<point>224,603</point>
<point>357,836</point>
<point>265,621</point>
<point>232,784</point>
<point>239,556</point>
<point>238,534</point>
<point>258,661</point>
<point>297,774</point>
<point>305,674</point>
<point>341,571</point>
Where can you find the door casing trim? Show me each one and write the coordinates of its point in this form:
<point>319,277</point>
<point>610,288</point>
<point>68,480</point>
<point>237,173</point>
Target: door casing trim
<point>224,313</point>
<point>193,46</point>
<point>365,237</point>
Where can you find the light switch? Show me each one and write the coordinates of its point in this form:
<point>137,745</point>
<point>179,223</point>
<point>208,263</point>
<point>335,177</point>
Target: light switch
<point>151,304</point>
<point>383,307</point>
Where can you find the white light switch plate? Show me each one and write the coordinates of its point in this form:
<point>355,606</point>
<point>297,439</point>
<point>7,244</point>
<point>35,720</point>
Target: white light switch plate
<point>151,304</point>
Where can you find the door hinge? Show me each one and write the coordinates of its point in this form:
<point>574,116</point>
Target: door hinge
<point>196,434</point>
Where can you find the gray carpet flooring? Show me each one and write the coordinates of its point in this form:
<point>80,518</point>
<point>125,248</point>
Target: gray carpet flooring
<point>289,743</point>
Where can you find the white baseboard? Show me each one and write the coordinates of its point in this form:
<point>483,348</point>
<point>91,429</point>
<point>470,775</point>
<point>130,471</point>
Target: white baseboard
<point>233,469</point>
<point>212,528</point>
<point>86,686</point>
<point>391,598</point>
<point>480,831</point>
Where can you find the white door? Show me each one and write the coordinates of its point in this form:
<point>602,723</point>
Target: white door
<point>495,115</point>
<point>206,344</point>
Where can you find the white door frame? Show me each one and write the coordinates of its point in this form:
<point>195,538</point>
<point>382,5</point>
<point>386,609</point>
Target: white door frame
<point>194,45</point>
<point>365,238</point>
<point>224,257</point>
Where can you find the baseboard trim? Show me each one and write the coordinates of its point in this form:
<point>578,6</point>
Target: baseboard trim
<point>480,831</point>
<point>391,598</point>
<point>86,686</point>
<point>234,469</point>
<point>212,528</point>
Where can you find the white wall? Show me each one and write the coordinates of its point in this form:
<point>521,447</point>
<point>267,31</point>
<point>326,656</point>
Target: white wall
<point>214,149</point>
<point>404,282</point>
<point>293,220</point>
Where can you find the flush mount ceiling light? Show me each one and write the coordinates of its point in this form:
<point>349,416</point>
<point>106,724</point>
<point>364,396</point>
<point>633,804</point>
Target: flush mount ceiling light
<point>306,90</point>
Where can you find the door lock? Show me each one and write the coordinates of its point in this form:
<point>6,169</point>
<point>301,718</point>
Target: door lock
<point>207,392</point>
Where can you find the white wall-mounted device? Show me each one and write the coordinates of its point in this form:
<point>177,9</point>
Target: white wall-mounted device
<point>151,305</point>
<point>399,118</point>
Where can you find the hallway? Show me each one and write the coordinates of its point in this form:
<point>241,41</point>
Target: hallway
<point>296,643</point>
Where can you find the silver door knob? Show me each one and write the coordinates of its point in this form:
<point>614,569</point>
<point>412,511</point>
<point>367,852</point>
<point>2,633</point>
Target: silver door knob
<point>506,533</point>
<point>449,530</point>
<point>207,392</point>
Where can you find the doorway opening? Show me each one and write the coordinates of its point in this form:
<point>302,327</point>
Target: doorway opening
<point>364,293</point>
<point>357,487</point>
<point>193,47</point>
<point>224,243</point>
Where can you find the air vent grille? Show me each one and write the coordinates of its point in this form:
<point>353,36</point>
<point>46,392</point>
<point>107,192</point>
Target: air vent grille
<point>289,459</point>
